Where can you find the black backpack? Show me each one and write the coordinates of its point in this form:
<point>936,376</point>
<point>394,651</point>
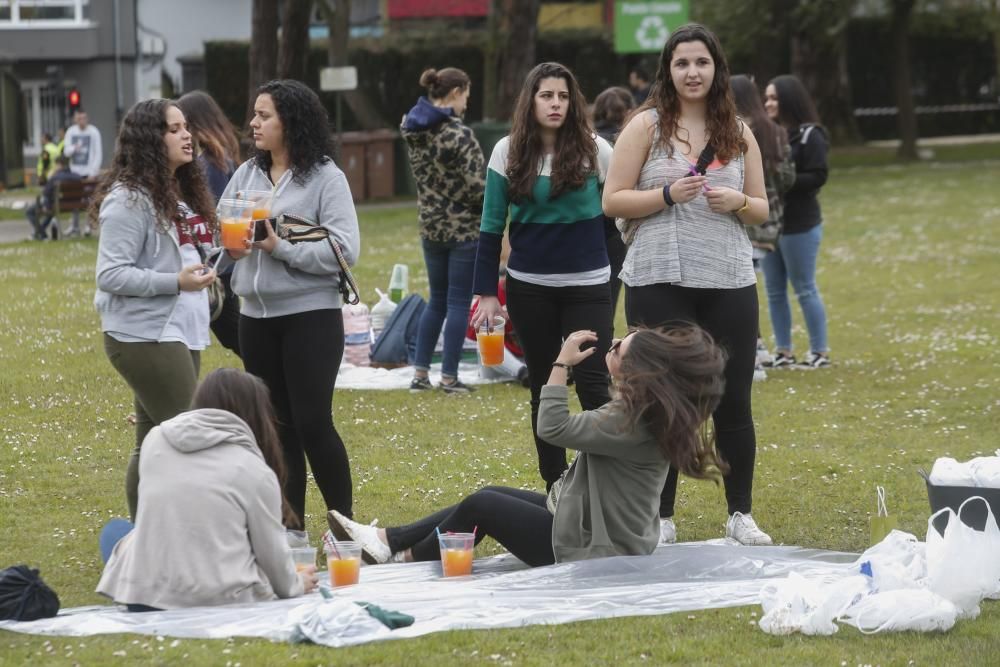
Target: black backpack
<point>24,596</point>
<point>397,344</point>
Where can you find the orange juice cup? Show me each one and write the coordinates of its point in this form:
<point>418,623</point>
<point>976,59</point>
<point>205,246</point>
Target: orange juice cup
<point>456,553</point>
<point>344,562</point>
<point>234,223</point>
<point>261,202</point>
<point>304,557</point>
<point>491,342</point>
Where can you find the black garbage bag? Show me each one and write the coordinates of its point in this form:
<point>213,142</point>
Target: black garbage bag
<point>24,596</point>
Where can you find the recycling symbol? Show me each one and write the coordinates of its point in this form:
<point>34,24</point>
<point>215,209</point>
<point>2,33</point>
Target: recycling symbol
<point>652,32</point>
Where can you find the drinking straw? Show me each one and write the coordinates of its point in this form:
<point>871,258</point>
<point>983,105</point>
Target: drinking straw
<point>438,531</point>
<point>331,544</point>
<point>474,528</point>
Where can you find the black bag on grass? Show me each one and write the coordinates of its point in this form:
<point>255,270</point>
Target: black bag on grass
<point>24,596</point>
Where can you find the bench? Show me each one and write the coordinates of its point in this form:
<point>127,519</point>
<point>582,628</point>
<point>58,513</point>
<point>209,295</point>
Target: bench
<point>73,197</point>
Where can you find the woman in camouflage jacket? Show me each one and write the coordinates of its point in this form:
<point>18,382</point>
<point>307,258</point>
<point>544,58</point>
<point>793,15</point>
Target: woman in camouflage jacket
<point>449,171</point>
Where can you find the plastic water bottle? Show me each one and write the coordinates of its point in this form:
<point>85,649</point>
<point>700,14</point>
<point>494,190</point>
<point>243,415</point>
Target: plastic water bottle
<point>399,282</point>
<point>357,334</point>
<point>381,312</point>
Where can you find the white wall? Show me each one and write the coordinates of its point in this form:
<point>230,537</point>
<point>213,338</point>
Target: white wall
<point>180,27</point>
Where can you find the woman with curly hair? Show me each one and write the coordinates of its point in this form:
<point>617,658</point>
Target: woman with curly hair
<point>291,326</point>
<point>546,177</point>
<point>686,179</point>
<point>666,385</point>
<point>153,207</point>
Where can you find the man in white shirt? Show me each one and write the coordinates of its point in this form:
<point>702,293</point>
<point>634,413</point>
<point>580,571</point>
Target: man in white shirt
<point>83,148</point>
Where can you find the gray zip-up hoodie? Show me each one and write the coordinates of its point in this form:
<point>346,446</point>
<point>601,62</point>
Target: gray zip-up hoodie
<point>208,530</point>
<point>300,277</point>
<point>137,266</point>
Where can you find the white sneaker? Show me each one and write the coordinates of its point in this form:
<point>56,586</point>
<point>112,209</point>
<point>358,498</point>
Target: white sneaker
<point>742,528</point>
<point>764,357</point>
<point>668,531</point>
<point>373,550</point>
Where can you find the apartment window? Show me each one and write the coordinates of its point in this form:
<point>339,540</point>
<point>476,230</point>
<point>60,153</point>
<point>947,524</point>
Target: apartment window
<point>42,13</point>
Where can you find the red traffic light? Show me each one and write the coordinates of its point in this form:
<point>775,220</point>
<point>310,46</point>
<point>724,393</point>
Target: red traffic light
<point>74,99</point>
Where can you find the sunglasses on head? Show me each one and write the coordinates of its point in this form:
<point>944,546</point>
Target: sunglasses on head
<point>617,342</point>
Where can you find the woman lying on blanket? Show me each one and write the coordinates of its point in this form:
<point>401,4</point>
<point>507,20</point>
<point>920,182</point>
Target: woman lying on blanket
<point>666,384</point>
<point>209,527</point>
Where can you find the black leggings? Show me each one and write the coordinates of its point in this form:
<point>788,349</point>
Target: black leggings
<point>543,317</point>
<point>730,315</point>
<point>515,518</point>
<point>297,356</point>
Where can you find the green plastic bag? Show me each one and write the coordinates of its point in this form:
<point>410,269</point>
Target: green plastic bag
<point>882,523</point>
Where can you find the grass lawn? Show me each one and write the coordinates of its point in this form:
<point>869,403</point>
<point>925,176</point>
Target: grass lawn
<point>908,271</point>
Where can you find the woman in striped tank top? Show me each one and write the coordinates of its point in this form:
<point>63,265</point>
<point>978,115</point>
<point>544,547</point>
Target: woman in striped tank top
<point>686,177</point>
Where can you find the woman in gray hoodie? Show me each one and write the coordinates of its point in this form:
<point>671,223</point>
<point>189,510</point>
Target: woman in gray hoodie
<point>209,530</point>
<point>667,382</point>
<point>291,326</point>
<point>156,216</point>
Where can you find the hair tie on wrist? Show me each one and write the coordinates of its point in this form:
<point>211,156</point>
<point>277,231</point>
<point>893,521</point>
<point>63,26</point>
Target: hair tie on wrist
<point>666,195</point>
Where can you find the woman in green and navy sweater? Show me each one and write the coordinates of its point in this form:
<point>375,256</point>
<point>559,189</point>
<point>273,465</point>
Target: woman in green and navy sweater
<point>547,177</point>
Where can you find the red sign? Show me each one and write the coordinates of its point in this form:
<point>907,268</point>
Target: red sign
<point>423,9</point>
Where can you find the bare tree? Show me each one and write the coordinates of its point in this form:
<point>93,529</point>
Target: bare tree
<point>337,14</point>
<point>520,32</point>
<point>906,117</point>
<point>294,55</point>
<point>263,47</point>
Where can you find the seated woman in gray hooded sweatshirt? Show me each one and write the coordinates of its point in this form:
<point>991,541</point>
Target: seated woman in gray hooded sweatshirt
<point>291,326</point>
<point>209,530</point>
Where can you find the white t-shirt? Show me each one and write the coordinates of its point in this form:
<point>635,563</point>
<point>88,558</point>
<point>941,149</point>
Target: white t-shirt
<point>83,148</point>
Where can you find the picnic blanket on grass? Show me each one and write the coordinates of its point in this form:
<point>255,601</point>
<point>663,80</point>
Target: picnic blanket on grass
<point>366,377</point>
<point>501,593</point>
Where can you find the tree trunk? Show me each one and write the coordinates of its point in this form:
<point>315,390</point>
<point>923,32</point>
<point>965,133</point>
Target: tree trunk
<point>337,14</point>
<point>520,32</point>
<point>821,64</point>
<point>490,60</point>
<point>906,118</point>
<point>294,55</point>
<point>263,47</point>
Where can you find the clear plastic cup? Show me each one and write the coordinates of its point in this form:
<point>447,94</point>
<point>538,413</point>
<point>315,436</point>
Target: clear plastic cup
<point>456,553</point>
<point>261,200</point>
<point>303,557</point>
<point>235,222</point>
<point>343,559</point>
<point>491,342</point>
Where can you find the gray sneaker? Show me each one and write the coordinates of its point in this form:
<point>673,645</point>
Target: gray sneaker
<point>418,385</point>
<point>455,387</point>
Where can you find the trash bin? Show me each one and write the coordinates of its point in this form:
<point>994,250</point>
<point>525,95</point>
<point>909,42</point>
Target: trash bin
<point>488,133</point>
<point>351,160</point>
<point>380,172</point>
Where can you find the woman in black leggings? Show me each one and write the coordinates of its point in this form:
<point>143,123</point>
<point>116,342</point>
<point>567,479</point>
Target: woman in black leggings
<point>291,327</point>
<point>666,385</point>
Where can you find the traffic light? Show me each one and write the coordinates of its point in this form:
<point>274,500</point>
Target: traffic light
<point>74,100</point>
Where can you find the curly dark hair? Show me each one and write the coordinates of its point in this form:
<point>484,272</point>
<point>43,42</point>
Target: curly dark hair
<point>576,150</point>
<point>306,126</point>
<point>140,164</point>
<point>247,397</point>
<point>720,111</point>
<point>671,380</point>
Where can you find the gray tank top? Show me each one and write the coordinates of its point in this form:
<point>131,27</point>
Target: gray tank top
<point>688,244</point>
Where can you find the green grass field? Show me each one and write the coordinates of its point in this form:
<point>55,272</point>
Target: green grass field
<point>908,271</point>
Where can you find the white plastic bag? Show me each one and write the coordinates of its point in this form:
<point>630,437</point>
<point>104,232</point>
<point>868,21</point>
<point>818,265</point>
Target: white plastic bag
<point>797,604</point>
<point>914,609</point>
<point>898,561</point>
<point>963,565</point>
<point>986,471</point>
<point>949,472</point>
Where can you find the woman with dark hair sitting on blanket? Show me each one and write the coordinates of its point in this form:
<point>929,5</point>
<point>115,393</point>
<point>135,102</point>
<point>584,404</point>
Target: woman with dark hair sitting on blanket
<point>209,527</point>
<point>666,384</point>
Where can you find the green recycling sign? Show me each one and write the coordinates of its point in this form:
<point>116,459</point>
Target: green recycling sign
<point>643,27</point>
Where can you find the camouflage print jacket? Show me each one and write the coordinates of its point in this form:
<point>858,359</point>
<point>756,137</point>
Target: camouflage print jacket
<point>449,171</point>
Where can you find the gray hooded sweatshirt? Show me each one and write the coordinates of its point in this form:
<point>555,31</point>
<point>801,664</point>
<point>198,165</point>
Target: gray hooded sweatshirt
<point>296,278</point>
<point>208,530</point>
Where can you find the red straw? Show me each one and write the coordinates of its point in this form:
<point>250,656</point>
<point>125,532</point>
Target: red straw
<point>474,528</point>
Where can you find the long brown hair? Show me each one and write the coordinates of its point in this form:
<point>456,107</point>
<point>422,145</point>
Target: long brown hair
<point>671,380</point>
<point>576,150</point>
<point>246,396</point>
<point>770,136</point>
<point>140,164</point>
<point>212,131</point>
<point>720,110</point>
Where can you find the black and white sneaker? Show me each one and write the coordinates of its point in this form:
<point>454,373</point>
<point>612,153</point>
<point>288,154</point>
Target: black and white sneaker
<point>815,360</point>
<point>782,360</point>
<point>455,387</point>
<point>420,384</point>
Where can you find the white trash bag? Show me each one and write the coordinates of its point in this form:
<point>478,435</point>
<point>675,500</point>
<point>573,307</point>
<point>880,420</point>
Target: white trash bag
<point>915,609</point>
<point>797,604</point>
<point>963,566</point>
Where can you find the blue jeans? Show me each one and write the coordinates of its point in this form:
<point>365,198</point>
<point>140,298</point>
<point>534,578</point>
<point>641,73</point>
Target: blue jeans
<point>795,260</point>
<point>449,272</point>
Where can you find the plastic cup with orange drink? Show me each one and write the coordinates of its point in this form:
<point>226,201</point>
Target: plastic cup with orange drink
<point>234,222</point>
<point>456,553</point>
<point>261,200</point>
<point>343,559</point>
<point>303,557</point>
<point>491,342</point>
